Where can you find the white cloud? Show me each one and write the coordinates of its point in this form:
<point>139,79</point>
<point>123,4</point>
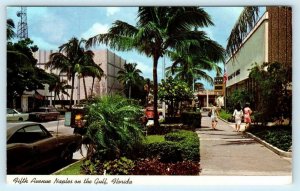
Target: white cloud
<point>42,44</point>
<point>145,68</point>
<point>97,28</point>
<point>112,10</point>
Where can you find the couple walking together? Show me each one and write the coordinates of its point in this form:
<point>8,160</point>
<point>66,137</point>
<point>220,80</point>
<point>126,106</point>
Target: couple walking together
<point>239,113</point>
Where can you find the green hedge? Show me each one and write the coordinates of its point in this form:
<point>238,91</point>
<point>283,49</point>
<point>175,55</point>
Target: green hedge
<point>192,119</point>
<point>177,146</point>
<point>188,142</point>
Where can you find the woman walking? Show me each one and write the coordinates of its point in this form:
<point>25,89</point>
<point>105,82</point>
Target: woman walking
<point>238,114</point>
<point>214,116</point>
<point>247,117</point>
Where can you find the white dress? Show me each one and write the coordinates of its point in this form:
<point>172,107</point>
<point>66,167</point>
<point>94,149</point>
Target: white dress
<point>238,116</point>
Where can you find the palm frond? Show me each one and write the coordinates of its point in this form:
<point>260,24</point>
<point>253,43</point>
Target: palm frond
<point>243,25</point>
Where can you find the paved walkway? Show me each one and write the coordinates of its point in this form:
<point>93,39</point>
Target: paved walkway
<point>225,152</point>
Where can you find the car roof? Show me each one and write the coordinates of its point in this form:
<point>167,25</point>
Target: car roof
<point>13,127</point>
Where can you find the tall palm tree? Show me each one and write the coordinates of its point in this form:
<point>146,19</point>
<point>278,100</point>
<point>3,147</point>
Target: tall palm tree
<point>69,55</point>
<point>191,72</point>
<point>130,76</point>
<point>243,25</point>
<point>157,30</point>
<point>87,67</point>
<point>190,64</point>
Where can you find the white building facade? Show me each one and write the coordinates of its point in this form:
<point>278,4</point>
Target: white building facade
<point>110,63</point>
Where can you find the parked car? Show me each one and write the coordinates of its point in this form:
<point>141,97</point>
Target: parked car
<point>31,146</point>
<point>14,115</point>
<point>44,114</point>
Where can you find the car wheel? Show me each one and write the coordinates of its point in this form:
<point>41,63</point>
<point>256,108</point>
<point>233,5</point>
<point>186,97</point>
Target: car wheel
<point>20,119</point>
<point>67,156</point>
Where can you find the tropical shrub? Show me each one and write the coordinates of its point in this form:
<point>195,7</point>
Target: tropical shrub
<point>113,127</point>
<point>273,82</point>
<point>122,166</point>
<point>191,119</point>
<point>90,167</point>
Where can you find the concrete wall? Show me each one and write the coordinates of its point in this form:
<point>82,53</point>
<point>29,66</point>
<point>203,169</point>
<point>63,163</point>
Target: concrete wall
<point>108,61</point>
<point>253,50</point>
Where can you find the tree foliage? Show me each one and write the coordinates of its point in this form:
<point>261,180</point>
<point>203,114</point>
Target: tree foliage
<point>22,72</point>
<point>173,91</point>
<point>130,77</point>
<point>239,96</point>
<point>273,82</point>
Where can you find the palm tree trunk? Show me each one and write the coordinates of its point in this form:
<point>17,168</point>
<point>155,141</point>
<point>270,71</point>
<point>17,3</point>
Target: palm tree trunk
<point>129,94</point>
<point>84,86</point>
<point>92,86</point>
<point>155,62</point>
<point>72,91</point>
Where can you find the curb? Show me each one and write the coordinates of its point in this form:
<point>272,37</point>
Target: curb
<point>269,146</point>
<point>67,166</point>
<point>264,143</point>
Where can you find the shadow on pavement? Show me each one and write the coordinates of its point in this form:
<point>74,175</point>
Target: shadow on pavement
<point>242,142</point>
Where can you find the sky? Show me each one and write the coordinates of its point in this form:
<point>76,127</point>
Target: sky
<point>50,27</point>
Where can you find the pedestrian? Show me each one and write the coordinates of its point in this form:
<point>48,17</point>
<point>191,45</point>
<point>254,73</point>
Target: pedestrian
<point>214,116</point>
<point>247,115</point>
<point>238,114</point>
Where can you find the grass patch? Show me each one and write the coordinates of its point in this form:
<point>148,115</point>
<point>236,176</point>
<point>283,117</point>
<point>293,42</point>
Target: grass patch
<point>225,115</point>
<point>71,170</point>
<point>154,139</point>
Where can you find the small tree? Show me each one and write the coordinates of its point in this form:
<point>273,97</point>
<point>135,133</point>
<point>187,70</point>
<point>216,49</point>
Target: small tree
<point>273,82</point>
<point>113,127</point>
<point>239,96</point>
<point>173,92</point>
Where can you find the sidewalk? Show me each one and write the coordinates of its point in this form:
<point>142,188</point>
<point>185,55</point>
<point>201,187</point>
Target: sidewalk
<point>224,152</point>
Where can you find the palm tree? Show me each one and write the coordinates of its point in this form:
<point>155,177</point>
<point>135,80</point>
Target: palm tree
<point>88,67</point>
<point>190,65</point>
<point>129,76</point>
<point>58,86</point>
<point>9,30</point>
<point>69,55</point>
<point>244,24</point>
<point>157,30</point>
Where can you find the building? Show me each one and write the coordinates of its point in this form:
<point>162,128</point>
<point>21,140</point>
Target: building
<point>110,63</point>
<point>270,40</point>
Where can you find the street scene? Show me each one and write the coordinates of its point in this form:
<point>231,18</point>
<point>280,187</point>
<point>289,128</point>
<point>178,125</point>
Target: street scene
<point>188,91</point>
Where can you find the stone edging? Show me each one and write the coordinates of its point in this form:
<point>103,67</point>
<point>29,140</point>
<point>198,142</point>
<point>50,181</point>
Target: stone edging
<point>67,166</point>
<point>266,144</point>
